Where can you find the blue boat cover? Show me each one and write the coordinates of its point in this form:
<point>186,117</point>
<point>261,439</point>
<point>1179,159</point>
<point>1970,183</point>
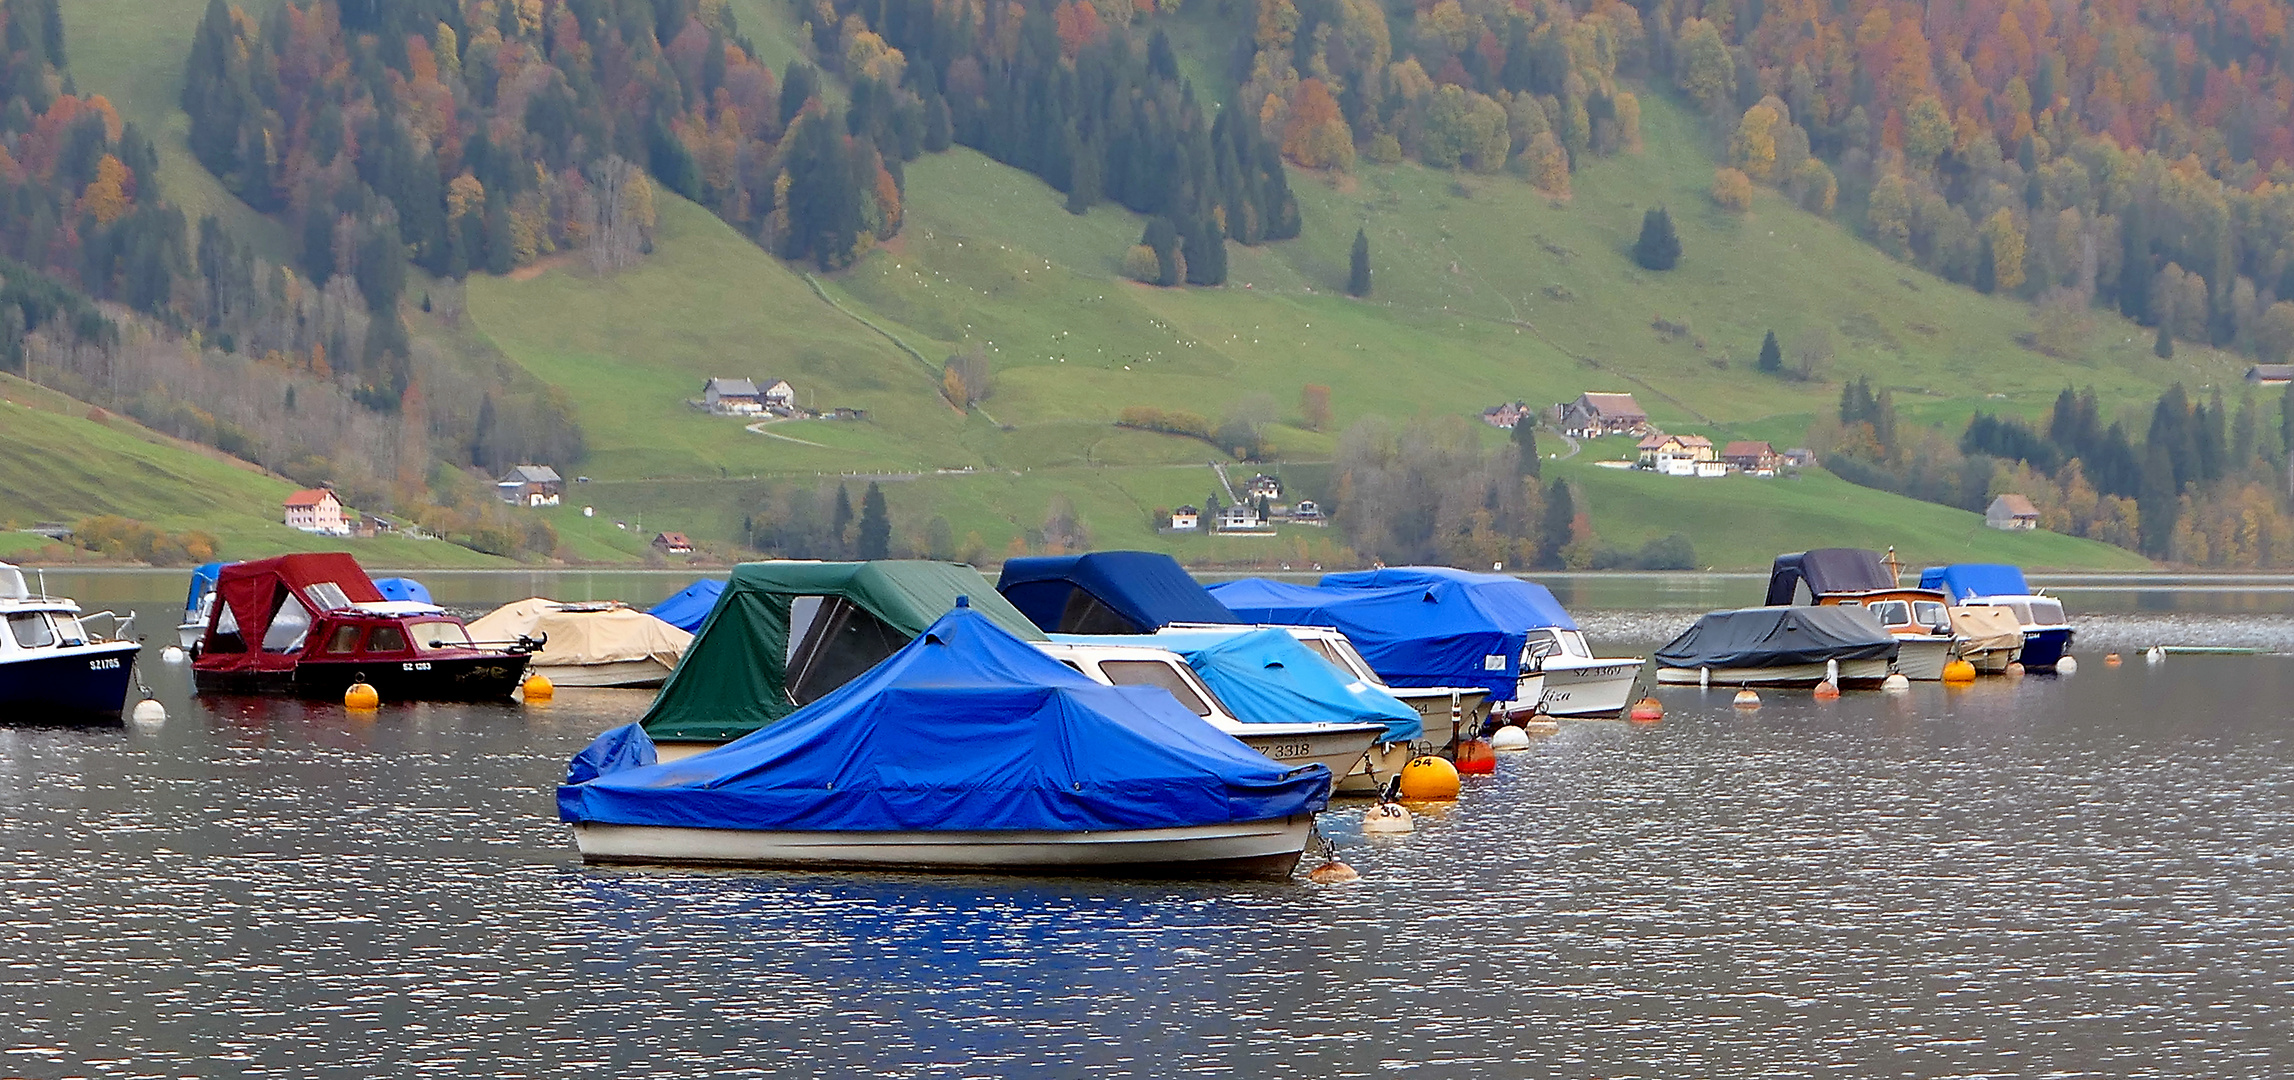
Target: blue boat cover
<point>625,747</point>
<point>1265,676</point>
<point>1107,592</point>
<point>688,609</point>
<point>966,728</point>
<point>1521,604</point>
<point>403,588</point>
<point>1962,580</point>
<point>202,583</point>
<point>1444,633</point>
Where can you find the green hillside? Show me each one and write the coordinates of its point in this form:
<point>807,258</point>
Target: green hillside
<point>1486,291</point>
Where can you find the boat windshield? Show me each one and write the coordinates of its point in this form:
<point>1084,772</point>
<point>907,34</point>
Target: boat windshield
<point>2046,612</point>
<point>68,629</point>
<point>1155,673</point>
<point>31,629</point>
<point>327,596</point>
<point>1355,662</point>
<point>288,626</point>
<point>433,636</point>
<point>2021,609</point>
<point>1931,614</point>
<point>1573,642</point>
<point>1893,612</point>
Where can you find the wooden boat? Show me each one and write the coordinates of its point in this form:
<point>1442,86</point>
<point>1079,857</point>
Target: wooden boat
<point>1779,646</point>
<point>969,749</point>
<point>1856,577</point>
<point>310,625</point>
<point>53,669</point>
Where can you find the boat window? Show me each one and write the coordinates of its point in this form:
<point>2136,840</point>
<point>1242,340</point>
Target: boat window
<point>429,636</point>
<point>327,596</point>
<point>802,611</point>
<point>1085,614</point>
<point>1155,673</point>
<point>2046,613</point>
<point>1931,613</point>
<point>1322,648</point>
<point>1893,612</point>
<point>69,631</point>
<point>226,637</point>
<point>1355,661</point>
<point>1539,644</point>
<point>31,629</point>
<point>841,641</point>
<point>1851,603</point>
<point>386,638</point>
<point>1573,643</point>
<point>1078,668</point>
<point>289,624</point>
<point>2022,611</point>
<point>344,640</point>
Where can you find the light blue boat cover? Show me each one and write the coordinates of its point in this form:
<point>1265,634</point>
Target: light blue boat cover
<point>1265,676</point>
<point>403,588</point>
<point>202,583</point>
<point>1417,626</point>
<point>688,609</point>
<point>1962,580</point>
<point>1145,589</point>
<point>966,728</point>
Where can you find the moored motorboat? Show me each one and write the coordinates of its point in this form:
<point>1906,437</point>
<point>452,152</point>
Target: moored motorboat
<point>1858,577</point>
<point>198,604</point>
<point>968,749</point>
<point>1779,646</point>
<point>2046,634</point>
<point>1107,592</point>
<point>688,607</point>
<point>53,668</point>
<point>310,625</point>
<point>602,643</point>
<point>1988,637</point>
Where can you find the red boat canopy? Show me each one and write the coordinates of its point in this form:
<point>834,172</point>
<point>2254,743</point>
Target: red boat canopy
<point>252,595</point>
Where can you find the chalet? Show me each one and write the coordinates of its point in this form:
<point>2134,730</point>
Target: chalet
<point>1751,458</point>
<point>1263,486</point>
<point>1800,457</point>
<point>1241,517</point>
<point>673,543</point>
<point>316,510</point>
<point>530,485</point>
<point>1655,450</point>
<point>776,394</point>
<point>1596,414</point>
<point>2270,374</point>
<point>1505,416</point>
<point>732,397</point>
<point>1306,512</point>
<point>2012,513</point>
<point>1186,519</point>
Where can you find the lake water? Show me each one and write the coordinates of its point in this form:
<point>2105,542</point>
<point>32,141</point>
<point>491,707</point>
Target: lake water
<point>2076,876</point>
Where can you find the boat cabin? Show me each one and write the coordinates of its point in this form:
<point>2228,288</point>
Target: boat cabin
<point>1144,665</point>
<point>313,624</point>
<point>52,666</point>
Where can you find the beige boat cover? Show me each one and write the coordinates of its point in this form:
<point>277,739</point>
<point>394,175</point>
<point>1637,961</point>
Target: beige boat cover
<point>1985,628</point>
<point>589,633</point>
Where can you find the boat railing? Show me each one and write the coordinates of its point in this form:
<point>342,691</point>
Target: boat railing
<point>122,625</point>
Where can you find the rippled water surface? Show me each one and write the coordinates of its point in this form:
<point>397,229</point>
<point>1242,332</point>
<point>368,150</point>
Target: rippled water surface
<point>2077,876</point>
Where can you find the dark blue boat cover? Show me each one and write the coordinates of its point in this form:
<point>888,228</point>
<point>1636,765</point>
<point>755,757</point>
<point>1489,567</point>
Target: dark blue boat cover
<point>1438,631</point>
<point>1962,580</point>
<point>688,609</point>
<point>202,583</point>
<point>1510,600</point>
<point>966,728</point>
<point>1143,591</point>
<point>1265,676</point>
<point>403,588</point>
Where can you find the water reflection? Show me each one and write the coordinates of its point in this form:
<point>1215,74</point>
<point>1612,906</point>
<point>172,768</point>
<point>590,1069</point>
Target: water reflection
<point>2080,875</point>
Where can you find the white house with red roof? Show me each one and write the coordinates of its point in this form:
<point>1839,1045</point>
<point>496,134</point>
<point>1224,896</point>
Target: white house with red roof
<point>316,510</point>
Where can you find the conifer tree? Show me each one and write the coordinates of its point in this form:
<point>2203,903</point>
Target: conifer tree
<point>2163,346</point>
<point>1553,529</point>
<point>1771,355</point>
<point>840,521</point>
<point>1358,266</point>
<point>1659,247</point>
<point>875,539</point>
<point>1986,266</point>
<point>1525,447</point>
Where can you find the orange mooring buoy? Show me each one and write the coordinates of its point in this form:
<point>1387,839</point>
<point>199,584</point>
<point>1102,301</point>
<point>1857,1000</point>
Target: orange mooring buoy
<point>1747,698</point>
<point>1476,756</point>
<point>2111,659</point>
<point>1827,691</point>
<point>1646,710</point>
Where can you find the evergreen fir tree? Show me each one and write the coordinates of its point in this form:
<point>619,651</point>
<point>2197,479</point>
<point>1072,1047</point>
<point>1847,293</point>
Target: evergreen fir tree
<point>1771,355</point>
<point>2156,504</point>
<point>2163,346</point>
<point>1358,266</point>
<point>1553,529</point>
<point>1986,267</point>
<point>1659,247</point>
<point>840,521</point>
<point>1526,459</point>
<point>875,539</point>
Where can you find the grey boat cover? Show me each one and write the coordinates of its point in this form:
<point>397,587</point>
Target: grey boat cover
<point>1828,571</point>
<point>1777,636</point>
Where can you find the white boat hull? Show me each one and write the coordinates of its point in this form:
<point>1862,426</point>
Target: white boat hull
<point>1383,763</point>
<point>1598,687</point>
<point>1260,849</point>
<point>642,674</point>
<point>1852,672</point>
<point>1923,658</point>
<point>189,634</point>
<point>1433,707</point>
<point>1989,661</point>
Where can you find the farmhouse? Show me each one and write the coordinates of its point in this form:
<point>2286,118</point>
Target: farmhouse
<point>1263,486</point>
<point>1505,416</point>
<point>1751,458</point>
<point>1655,450</point>
<point>530,485</point>
<point>1596,414</point>
<point>2270,374</point>
<point>1241,517</point>
<point>1186,519</point>
<point>316,510</point>
<point>2012,513</point>
<point>1306,513</point>
<point>673,543</point>
<point>732,397</point>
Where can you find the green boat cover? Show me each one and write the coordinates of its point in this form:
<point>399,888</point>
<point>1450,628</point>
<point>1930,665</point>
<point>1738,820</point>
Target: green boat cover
<point>734,678</point>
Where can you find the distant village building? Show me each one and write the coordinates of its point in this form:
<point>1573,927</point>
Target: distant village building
<point>1186,519</point>
<point>1505,416</point>
<point>1263,486</point>
<point>1800,457</point>
<point>530,485</point>
<point>2012,513</point>
<point>1241,517</point>
<point>1596,414</point>
<point>2270,374</point>
<point>732,397</point>
<point>673,543</point>
<point>1306,513</point>
<point>1655,450</point>
<point>316,510</point>
<point>1751,458</point>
